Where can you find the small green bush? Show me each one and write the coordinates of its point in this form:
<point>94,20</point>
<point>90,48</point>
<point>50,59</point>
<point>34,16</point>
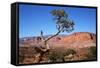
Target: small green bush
<point>56,56</point>
<point>70,51</point>
<point>92,53</point>
<point>93,50</point>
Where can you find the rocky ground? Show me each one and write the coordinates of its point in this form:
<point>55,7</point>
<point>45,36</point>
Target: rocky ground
<point>75,47</point>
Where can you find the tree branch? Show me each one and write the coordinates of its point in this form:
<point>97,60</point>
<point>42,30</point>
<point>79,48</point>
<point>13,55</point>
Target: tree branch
<point>53,35</point>
<point>45,43</point>
<point>42,35</point>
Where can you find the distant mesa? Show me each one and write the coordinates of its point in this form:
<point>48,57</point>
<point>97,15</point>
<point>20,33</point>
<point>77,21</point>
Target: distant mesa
<point>81,37</point>
<point>63,39</point>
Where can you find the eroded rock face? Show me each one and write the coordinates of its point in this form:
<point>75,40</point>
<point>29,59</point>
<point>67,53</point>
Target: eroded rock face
<point>80,42</point>
<point>80,37</point>
<point>75,37</point>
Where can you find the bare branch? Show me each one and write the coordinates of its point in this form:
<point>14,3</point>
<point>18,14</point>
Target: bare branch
<point>42,35</point>
<point>53,35</point>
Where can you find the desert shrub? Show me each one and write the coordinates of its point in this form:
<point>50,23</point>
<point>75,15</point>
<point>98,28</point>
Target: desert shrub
<point>70,51</point>
<point>92,53</point>
<point>56,56</point>
<point>93,50</point>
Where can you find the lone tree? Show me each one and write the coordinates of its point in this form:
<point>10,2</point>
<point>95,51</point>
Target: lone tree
<point>63,23</point>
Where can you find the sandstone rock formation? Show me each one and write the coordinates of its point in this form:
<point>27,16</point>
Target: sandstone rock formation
<point>80,36</point>
<point>78,41</point>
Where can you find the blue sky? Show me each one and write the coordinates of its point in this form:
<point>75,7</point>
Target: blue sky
<point>33,19</point>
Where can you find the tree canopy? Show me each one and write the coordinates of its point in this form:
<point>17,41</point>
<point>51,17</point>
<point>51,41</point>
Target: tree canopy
<point>63,23</point>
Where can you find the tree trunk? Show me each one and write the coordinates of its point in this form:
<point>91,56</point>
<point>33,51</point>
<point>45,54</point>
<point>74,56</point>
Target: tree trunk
<point>47,47</point>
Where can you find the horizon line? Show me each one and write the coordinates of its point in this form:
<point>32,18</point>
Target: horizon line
<point>57,35</point>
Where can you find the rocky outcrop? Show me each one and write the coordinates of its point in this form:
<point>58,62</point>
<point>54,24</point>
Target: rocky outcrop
<point>80,42</point>
<point>61,39</point>
<point>80,37</point>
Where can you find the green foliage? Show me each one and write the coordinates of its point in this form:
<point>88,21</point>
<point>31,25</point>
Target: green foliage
<point>56,56</point>
<point>59,13</point>
<point>70,51</point>
<point>92,53</point>
<point>62,21</point>
<point>93,50</point>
